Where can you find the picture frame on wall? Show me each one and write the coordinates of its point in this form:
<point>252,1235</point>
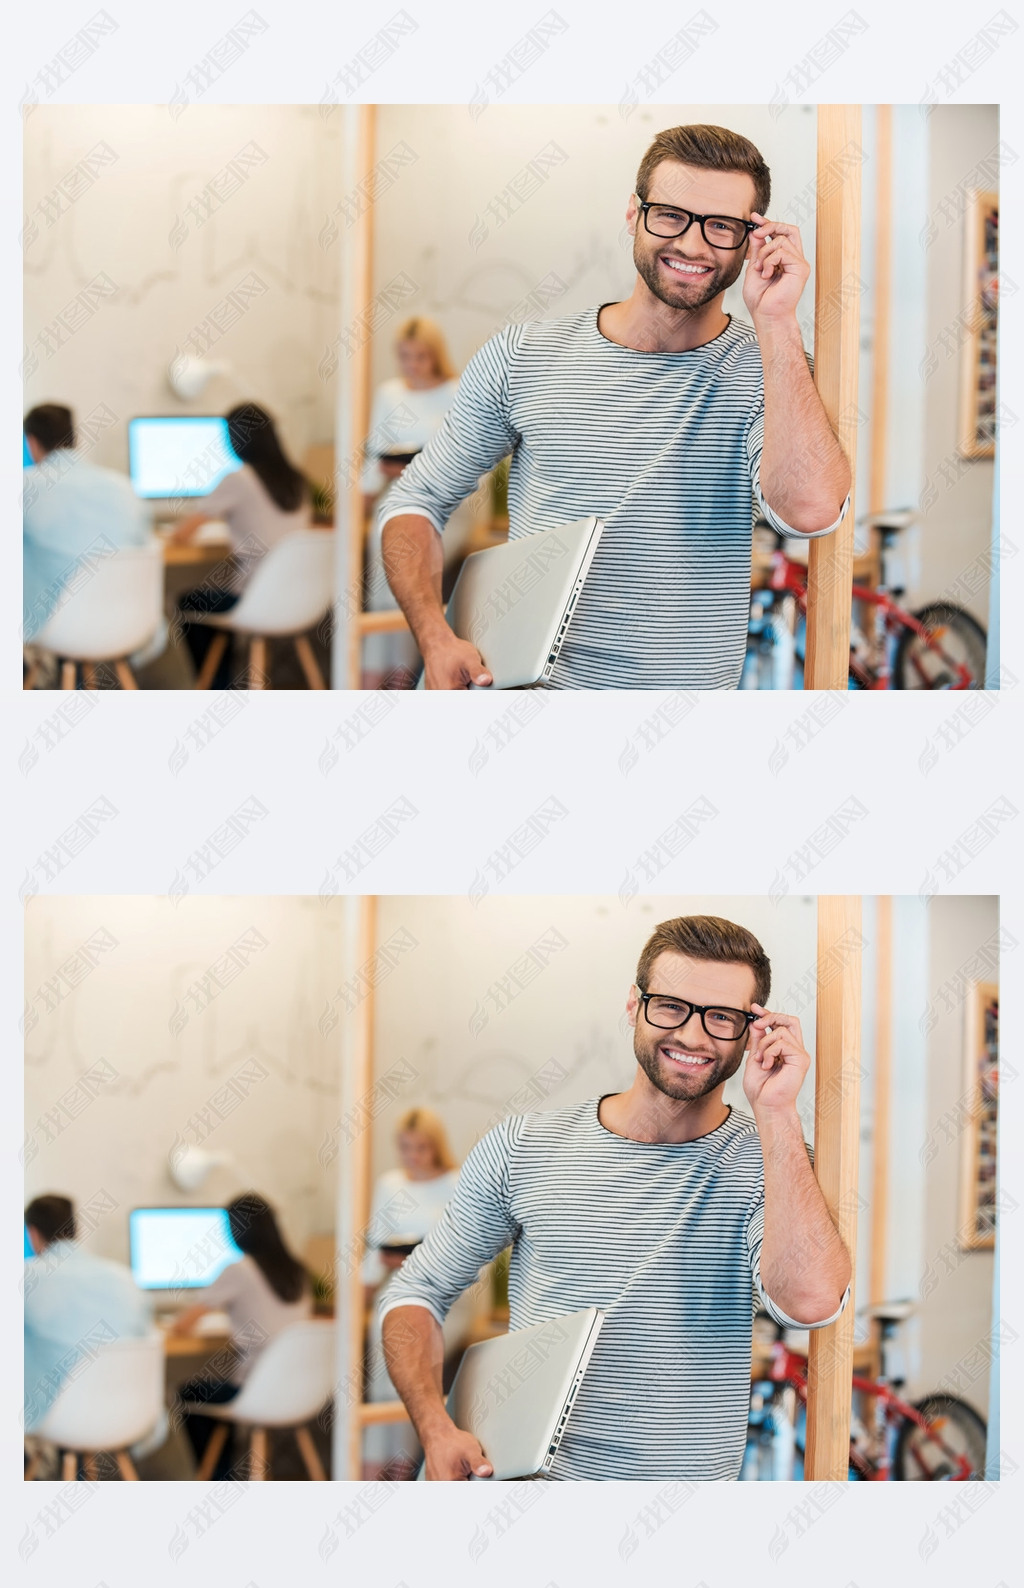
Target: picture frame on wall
<point>980,322</point>
<point>981,1098</point>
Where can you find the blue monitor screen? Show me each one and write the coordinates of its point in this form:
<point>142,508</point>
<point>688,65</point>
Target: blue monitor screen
<point>27,460</point>
<point>28,1244</point>
<point>179,1248</point>
<point>183,455</point>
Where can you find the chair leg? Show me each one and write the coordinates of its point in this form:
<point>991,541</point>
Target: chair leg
<point>258,1467</point>
<point>310,1455</point>
<point>314,677</point>
<point>125,675</point>
<point>212,1451</point>
<point>92,1471</point>
<point>210,661</point>
<point>126,1466</point>
<point>29,681</point>
<point>258,663</point>
<point>67,675</point>
<point>90,675</point>
<point>32,1468</point>
<point>69,1467</point>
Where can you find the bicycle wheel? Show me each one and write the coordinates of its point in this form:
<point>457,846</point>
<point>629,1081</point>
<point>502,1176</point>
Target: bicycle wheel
<point>920,1456</point>
<point>956,641</point>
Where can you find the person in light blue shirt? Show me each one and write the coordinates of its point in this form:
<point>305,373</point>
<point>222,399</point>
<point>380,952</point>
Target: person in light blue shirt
<point>72,509</point>
<point>74,1303</point>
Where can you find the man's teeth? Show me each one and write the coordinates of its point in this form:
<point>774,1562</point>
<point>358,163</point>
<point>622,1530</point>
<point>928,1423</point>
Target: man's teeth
<point>687,270</point>
<point>685,1058</point>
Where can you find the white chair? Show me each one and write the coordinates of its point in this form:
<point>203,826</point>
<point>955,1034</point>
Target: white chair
<point>290,590</point>
<point>112,1402</point>
<point>291,1379</point>
<point>111,608</point>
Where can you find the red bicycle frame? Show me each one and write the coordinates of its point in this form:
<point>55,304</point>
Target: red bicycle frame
<point>790,578</point>
<point>788,1368</point>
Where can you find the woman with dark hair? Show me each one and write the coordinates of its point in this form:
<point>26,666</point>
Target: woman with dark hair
<point>262,502</point>
<point>263,1293</point>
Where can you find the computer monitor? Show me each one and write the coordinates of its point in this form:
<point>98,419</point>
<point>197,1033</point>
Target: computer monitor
<point>29,1248</point>
<point>27,460</point>
<point>179,1248</point>
<point>179,455</point>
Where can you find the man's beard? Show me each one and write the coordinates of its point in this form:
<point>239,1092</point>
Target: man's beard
<point>682,1085</point>
<point>648,268</point>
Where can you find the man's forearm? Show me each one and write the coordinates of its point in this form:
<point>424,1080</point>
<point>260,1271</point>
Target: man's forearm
<point>805,1267</point>
<point>414,1353</point>
<point>414,561</point>
<point>805,475</point>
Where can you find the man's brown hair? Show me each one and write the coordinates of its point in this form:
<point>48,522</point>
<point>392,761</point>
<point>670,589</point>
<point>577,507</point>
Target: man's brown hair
<point>53,1216</point>
<point>707,937</point>
<point>709,149</point>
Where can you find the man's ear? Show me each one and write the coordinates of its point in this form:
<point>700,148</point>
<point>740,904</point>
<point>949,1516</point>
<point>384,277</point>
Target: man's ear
<point>632,213</point>
<point>632,1006</point>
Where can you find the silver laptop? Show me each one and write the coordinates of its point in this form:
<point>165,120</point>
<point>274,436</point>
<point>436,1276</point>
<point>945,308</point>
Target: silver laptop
<point>515,1393</point>
<point>514,601</point>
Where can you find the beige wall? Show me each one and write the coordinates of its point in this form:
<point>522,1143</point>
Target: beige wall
<point>956,529</point>
<point>140,227</point>
<point>152,1025</point>
<point>956,1285</point>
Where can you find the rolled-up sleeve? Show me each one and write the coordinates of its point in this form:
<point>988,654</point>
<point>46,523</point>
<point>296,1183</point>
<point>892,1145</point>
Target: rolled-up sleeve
<point>476,434</point>
<point>755,1236</point>
<point>476,1225</point>
<point>755,444</point>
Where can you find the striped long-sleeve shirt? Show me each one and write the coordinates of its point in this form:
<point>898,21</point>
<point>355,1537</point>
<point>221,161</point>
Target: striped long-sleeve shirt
<point>667,1389</point>
<point>665,447</point>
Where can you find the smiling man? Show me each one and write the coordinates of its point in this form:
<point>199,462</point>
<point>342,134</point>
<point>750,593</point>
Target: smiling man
<point>661,414</point>
<point>661,1205</point>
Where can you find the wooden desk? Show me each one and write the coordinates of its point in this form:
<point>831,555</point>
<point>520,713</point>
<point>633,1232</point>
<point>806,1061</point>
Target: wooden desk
<point>865,1359</point>
<point>179,1345</point>
<point>193,556</point>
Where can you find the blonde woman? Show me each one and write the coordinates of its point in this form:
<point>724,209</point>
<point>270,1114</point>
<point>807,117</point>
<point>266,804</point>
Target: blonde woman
<point>406,411</point>
<point>407,1202</point>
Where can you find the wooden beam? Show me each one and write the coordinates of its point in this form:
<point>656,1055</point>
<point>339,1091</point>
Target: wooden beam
<point>353,396</point>
<point>836,1151</point>
<point>354,1188</point>
<point>878,435</point>
<point>837,287</point>
<point>382,623</point>
<point>883,1103</point>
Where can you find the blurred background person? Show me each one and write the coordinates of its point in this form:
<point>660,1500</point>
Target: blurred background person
<point>69,506</point>
<point>406,411</point>
<point>262,502</point>
<point>264,1293</point>
<point>72,1297</point>
<point>407,1202</point>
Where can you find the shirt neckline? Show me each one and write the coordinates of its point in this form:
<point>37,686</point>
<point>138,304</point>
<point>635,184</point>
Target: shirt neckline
<point>648,1146</point>
<point>636,352</point>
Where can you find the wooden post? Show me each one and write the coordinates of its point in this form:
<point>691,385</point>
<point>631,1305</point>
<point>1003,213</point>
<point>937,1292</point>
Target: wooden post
<point>354,1187</point>
<point>836,1143</point>
<point>878,436</point>
<point>837,287</point>
<point>353,400</point>
<point>883,1103</point>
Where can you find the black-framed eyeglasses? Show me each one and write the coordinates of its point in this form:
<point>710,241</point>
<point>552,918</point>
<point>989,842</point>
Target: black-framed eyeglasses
<point>667,1013</point>
<point>718,231</point>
